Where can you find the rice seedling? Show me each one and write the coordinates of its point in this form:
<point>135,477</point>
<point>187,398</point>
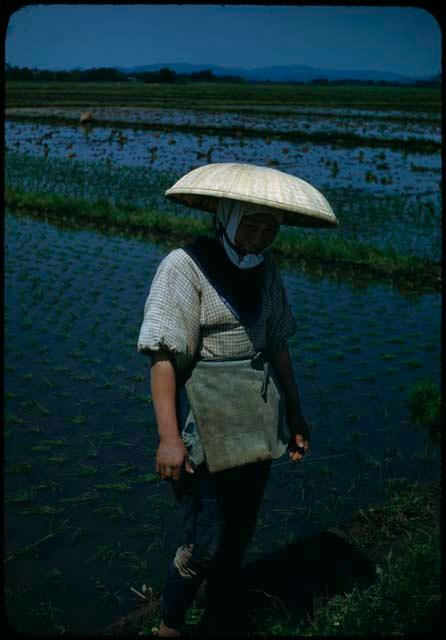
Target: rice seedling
<point>26,495</point>
<point>137,378</point>
<point>48,485</point>
<point>427,454</point>
<point>124,468</point>
<point>91,495</point>
<point>309,375</point>
<point>155,501</point>
<point>107,595</point>
<point>11,419</point>
<point>18,468</point>
<point>145,398</point>
<point>77,353</point>
<point>118,369</point>
<point>42,510</point>
<point>372,462</point>
<point>107,384</point>
<point>114,486</point>
<point>123,443</point>
<point>56,459</point>
<point>114,512</point>
<point>107,437</point>
<point>366,377</point>
<point>325,471</point>
<point>395,340</point>
<point>355,436</point>
<point>62,370</point>
<point>352,417</point>
<point>424,403</point>
<point>50,616</point>
<point>84,470</point>
<point>147,530</point>
<point>108,553</point>
<point>78,533</point>
<point>353,349</point>
<point>33,547</point>
<point>81,419</point>
<point>308,513</point>
<point>82,377</point>
<point>126,390</point>
<point>412,363</point>
<point>392,370</point>
<point>49,384</point>
<point>60,441</point>
<point>337,356</point>
<point>54,576</point>
<point>33,405</point>
<point>138,565</point>
<point>394,486</point>
<point>91,450</point>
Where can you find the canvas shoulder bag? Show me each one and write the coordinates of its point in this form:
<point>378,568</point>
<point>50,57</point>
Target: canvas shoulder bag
<point>238,411</point>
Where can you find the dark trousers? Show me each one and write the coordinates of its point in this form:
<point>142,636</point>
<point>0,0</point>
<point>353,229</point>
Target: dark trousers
<point>220,515</point>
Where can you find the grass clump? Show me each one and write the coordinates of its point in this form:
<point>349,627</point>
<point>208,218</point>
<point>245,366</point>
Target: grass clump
<point>424,403</point>
<point>174,229</point>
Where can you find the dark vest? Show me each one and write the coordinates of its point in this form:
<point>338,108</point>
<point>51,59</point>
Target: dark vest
<point>240,289</point>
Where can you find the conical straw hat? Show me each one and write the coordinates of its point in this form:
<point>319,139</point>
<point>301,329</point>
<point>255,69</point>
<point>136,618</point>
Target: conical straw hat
<point>302,204</point>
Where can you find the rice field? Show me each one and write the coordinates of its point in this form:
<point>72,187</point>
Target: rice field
<point>212,96</point>
<point>86,516</point>
<point>399,125</point>
<point>378,194</point>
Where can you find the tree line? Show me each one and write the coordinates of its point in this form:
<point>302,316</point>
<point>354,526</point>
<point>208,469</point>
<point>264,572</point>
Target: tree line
<point>110,74</point>
<point>167,75</point>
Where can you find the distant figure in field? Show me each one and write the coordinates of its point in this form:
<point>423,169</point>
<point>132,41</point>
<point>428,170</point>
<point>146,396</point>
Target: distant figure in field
<point>87,116</point>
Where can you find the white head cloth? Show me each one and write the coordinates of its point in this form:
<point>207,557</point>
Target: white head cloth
<point>229,215</point>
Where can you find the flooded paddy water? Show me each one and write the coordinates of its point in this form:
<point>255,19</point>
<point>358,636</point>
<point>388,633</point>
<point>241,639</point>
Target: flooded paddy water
<point>401,125</point>
<point>86,516</point>
<point>378,193</point>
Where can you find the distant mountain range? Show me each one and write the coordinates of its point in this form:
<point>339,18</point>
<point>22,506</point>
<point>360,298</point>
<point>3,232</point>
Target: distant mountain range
<point>289,73</point>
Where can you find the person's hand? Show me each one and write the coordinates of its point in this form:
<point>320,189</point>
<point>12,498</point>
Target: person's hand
<point>170,458</point>
<point>299,442</point>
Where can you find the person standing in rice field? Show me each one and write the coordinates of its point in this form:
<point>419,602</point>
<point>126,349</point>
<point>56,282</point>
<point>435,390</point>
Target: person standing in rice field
<point>220,302</point>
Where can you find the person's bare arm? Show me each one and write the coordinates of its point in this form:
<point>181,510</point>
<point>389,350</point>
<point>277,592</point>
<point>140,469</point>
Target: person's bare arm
<point>300,432</point>
<point>172,453</point>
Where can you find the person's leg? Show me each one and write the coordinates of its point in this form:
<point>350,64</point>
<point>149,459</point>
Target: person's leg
<point>240,493</point>
<point>220,517</point>
<point>203,525</point>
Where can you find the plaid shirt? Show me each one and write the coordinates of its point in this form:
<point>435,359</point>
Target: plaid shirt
<point>184,315</point>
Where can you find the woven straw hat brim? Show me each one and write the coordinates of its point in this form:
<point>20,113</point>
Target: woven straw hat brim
<point>302,204</point>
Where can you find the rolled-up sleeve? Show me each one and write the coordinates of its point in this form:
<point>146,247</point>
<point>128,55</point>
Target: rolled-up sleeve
<point>172,311</point>
<point>281,325</point>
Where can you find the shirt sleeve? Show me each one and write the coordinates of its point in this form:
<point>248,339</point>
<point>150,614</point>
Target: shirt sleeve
<point>172,311</point>
<point>281,325</point>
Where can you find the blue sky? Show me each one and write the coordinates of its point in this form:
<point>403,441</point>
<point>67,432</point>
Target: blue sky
<point>403,40</point>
